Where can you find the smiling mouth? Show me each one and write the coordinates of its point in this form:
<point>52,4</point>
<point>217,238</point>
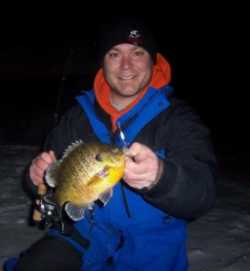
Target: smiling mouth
<point>124,78</point>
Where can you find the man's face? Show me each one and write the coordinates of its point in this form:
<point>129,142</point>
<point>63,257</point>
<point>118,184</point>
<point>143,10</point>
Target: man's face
<point>127,69</point>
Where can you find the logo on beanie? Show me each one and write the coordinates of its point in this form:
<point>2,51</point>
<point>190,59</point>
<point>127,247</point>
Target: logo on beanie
<point>135,37</point>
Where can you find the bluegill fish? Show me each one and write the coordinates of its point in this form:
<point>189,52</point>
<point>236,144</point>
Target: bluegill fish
<point>85,173</point>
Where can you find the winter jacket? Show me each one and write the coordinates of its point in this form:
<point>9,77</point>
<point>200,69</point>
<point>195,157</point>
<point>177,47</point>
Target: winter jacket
<point>140,225</point>
<point>186,190</point>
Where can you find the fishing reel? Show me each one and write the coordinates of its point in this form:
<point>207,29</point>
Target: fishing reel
<point>46,211</point>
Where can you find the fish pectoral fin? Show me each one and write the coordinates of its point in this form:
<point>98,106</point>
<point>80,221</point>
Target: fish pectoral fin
<point>106,196</point>
<point>74,213</point>
<point>51,174</point>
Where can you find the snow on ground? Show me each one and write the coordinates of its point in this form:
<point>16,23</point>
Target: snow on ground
<point>15,232</point>
<point>219,240</point>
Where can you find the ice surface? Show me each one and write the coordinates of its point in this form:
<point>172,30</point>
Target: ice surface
<point>220,240</point>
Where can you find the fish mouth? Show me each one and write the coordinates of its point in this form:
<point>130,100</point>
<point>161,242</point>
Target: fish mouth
<point>116,151</point>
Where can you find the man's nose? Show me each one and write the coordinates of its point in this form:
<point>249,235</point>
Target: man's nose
<point>125,62</point>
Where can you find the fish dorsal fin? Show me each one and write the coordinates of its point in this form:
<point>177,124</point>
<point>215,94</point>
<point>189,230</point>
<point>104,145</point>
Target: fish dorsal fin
<point>72,147</point>
<point>106,196</point>
<point>51,174</point>
<point>74,213</point>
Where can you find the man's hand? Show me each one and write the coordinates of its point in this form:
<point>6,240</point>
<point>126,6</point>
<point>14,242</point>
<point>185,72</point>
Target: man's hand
<point>39,166</point>
<point>143,168</point>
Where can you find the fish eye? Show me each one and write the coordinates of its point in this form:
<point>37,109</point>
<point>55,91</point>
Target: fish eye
<point>98,157</point>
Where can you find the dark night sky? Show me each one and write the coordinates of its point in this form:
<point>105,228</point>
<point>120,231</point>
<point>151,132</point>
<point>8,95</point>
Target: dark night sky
<point>208,71</point>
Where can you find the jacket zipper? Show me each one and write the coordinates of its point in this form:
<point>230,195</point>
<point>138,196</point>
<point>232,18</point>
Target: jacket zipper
<point>125,201</point>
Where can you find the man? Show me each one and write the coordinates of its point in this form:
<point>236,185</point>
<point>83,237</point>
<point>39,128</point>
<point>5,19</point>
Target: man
<point>169,175</point>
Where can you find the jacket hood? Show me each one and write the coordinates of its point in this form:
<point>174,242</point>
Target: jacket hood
<point>161,77</point>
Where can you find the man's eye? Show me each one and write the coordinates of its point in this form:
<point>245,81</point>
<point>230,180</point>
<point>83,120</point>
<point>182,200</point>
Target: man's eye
<point>139,53</point>
<point>113,54</point>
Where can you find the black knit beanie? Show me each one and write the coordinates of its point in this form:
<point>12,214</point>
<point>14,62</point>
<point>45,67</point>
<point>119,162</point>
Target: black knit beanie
<point>126,30</point>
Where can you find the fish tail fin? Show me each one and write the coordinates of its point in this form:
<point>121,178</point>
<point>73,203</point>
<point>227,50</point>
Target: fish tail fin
<point>51,174</point>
